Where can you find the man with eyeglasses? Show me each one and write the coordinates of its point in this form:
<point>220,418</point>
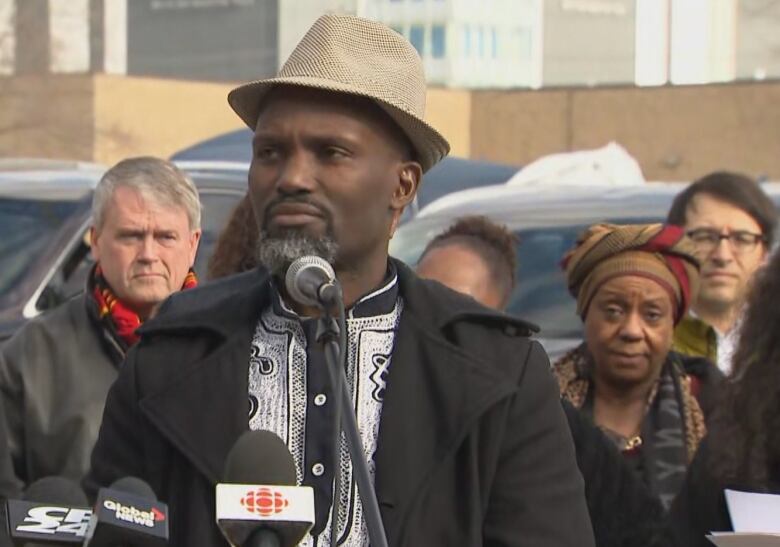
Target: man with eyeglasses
<point>732,223</point>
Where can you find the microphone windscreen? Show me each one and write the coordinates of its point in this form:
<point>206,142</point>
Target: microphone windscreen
<point>57,491</point>
<point>260,457</point>
<point>135,486</point>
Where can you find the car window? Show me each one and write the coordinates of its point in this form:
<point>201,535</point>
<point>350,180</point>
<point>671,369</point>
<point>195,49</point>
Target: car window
<point>28,227</point>
<point>540,295</point>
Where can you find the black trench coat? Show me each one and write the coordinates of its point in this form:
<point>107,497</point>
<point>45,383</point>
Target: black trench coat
<point>473,445</point>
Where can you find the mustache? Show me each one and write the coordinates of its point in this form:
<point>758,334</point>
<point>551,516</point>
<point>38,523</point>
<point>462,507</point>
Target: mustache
<point>297,200</point>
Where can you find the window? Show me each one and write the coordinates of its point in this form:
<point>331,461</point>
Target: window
<point>467,41</point>
<point>437,41</point>
<point>493,43</point>
<point>417,38</point>
<point>524,41</point>
<point>481,42</point>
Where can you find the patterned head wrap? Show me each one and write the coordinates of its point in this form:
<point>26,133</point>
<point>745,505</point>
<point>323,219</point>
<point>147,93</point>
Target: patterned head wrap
<point>654,251</point>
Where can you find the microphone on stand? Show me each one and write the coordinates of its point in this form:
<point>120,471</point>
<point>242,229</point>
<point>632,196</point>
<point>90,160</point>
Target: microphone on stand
<point>311,281</point>
<point>54,511</point>
<point>259,504</point>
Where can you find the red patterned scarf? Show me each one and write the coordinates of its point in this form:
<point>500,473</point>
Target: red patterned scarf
<point>116,314</point>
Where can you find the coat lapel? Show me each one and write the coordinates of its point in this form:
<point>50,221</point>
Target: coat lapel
<point>435,392</point>
<point>203,409</point>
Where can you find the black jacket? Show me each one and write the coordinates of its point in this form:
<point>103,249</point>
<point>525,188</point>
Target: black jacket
<point>55,373</point>
<point>473,446</point>
<point>700,507</point>
<point>622,510</point>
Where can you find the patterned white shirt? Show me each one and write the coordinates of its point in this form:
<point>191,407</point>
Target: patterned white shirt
<point>290,394</point>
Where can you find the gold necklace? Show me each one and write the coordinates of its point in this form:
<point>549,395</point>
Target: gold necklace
<point>633,442</point>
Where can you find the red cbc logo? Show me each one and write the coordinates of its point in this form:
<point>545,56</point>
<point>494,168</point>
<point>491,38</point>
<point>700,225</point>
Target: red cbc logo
<point>264,501</point>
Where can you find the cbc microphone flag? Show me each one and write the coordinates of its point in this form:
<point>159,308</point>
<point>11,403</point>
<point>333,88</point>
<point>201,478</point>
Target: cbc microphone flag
<point>265,503</point>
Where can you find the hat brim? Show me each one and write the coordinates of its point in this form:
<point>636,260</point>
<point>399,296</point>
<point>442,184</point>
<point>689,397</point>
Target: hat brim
<point>428,143</point>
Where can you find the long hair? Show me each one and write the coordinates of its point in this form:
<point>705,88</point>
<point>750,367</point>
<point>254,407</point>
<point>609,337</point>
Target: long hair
<point>745,431</point>
<point>234,251</point>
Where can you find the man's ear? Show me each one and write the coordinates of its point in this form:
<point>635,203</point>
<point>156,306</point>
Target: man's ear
<point>92,239</point>
<point>409,179</point>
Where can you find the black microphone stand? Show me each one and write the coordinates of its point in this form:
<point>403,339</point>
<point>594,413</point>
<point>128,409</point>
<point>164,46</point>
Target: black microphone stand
<point>332,335</point>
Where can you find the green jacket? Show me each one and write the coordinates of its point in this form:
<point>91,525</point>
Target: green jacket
<point>694,337</point>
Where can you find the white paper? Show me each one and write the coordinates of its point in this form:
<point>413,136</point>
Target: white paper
<point>738,539</point>
<point>754,513</point>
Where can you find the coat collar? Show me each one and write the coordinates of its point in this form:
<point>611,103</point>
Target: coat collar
<point>434,393</point>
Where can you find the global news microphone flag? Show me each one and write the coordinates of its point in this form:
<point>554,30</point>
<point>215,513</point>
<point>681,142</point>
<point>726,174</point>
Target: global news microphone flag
<point>128,514</point>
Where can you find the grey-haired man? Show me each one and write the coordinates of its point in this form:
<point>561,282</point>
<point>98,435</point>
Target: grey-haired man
<point>56,370</point>
<point>466,447</point>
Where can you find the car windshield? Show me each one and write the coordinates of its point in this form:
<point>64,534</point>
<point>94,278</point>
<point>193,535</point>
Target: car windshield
<point>540,296</point>
<point>28,227</point>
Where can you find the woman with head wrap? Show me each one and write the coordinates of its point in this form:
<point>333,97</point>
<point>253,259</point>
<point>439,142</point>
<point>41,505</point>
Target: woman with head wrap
<point>632,285</point>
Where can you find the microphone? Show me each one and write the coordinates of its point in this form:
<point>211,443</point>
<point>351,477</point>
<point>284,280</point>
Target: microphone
<point>54,511</point>
<point>259,503</point>
<point>127,514</point>
<point>311,281</point>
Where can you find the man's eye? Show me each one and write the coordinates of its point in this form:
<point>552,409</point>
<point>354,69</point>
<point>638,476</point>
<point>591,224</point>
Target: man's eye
<point>704,237</point>
<point>744,238</point>
<point>266,152</point>
<point>335,152</point>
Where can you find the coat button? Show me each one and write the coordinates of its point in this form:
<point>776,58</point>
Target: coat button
<point>320,399</point>
<point>317,469</point>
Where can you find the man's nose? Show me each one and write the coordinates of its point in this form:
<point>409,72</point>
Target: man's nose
<point>723,252</point>
<point>148,250</point>
<point>297,174</point>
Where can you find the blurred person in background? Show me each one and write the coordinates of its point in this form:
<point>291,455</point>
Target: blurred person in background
<point>475,257</point>
<point>234,251</point>
<point>479,258</point>
<point>632,285</point>
<point>742,448</point>
<point>55,371</point>
<point>731,222</point>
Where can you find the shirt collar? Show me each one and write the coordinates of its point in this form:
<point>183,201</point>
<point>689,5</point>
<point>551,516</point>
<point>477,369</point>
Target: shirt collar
<point>379,301</point>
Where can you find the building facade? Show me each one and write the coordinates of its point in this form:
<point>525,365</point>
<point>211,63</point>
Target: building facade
<point>467,44</point>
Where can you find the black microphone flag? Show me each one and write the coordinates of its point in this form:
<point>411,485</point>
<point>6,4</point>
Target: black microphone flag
<point>128,514</point>
<point>54,512</point>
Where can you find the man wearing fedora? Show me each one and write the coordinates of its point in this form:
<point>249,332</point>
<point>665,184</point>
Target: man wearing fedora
<point>465,446</point>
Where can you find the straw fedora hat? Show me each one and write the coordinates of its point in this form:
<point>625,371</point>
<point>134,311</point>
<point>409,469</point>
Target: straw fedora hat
<point>348,54</point>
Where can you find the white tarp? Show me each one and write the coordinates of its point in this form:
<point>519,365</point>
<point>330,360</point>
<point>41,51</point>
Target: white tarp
<point>610,165</point>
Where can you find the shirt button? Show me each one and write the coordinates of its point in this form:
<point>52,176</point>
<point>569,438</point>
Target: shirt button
<point>320,399</point>
<point>317,469</point>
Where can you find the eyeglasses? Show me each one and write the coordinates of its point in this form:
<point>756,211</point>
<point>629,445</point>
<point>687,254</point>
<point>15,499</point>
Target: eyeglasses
<point>707,239</point>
